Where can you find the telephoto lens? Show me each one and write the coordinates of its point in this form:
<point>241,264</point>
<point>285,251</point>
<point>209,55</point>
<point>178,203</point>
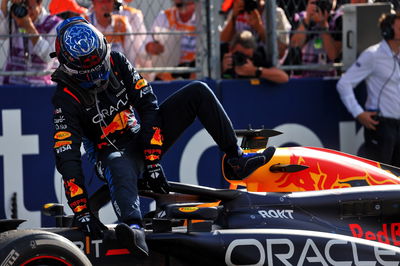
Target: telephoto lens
<point>19,10</point>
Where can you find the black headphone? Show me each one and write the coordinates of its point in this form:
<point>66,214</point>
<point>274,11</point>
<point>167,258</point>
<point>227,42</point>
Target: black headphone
<point>386,25</point>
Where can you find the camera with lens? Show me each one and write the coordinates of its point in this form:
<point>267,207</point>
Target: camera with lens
<point>250,5</point>
<point>239,59</point>
<point>324,5</point>
<point>19,10</point>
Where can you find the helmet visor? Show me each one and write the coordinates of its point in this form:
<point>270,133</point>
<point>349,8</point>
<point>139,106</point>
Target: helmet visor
<point>95,78</point>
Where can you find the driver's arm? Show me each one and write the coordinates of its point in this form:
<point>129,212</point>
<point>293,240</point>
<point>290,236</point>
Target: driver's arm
<point>67,142</point>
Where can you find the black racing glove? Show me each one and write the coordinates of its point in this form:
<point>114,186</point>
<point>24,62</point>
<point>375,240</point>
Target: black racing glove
<point>155,178</point>
<point>90,225</point>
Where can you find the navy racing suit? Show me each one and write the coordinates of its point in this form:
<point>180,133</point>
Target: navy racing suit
<point>107,124</point>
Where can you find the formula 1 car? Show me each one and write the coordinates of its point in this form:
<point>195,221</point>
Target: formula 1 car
<point>307,206</point>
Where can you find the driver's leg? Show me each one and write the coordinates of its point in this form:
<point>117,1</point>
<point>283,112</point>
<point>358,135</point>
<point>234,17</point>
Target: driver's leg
<point>122,171</point>
<point>197,100</point>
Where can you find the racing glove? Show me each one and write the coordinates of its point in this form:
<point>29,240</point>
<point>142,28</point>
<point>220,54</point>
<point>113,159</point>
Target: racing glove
<point>78,201</point>
<point>90,225</point>
<point>155,179</point>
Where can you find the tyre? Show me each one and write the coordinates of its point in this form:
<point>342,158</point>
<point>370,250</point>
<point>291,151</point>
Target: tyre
<point>38,247</point>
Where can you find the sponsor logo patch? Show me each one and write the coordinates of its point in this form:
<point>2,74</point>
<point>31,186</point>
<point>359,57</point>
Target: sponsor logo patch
<point>61,126</point>
<point>188,209</point>
<point>59,120</point>
<point>152,154</point>
<point>63,149</point>
<point>62,143</point>
<point>140,84</point>
<point>62,135</point>
<point>387,233</point>
<point>57,111</point>
<point>283,214</point>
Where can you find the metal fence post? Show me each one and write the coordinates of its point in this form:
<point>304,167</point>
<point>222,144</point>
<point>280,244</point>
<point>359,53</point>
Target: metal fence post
<point>214,42</point>
<point>271,46</point>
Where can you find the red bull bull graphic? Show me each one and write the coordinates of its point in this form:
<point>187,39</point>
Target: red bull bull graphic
<point>157,138</point>
<point>79,208</point>
<point>327,169</point>
<point>72,189</point>
<point>119,122</point>
<point>152,157</point>
<point>152,154</point>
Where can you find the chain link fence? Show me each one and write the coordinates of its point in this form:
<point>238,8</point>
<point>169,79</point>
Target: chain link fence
<point>196,37</point>
<point>204,34</point>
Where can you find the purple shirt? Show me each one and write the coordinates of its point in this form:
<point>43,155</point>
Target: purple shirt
<point>24,56</point>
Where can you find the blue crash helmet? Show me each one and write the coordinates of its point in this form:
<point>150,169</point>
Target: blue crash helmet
<point>83,53</point>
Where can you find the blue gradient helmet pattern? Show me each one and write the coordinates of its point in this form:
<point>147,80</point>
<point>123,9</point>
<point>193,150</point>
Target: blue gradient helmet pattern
<point>80,40</point>
<point>83,53</point>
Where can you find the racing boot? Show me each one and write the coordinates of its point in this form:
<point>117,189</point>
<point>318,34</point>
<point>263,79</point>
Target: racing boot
<point>238,168</point>
<point>133,238</point>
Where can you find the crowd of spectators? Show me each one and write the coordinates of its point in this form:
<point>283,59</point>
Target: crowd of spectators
<point>309,36</point>
<point>313,37</point>
<point>249,15</point>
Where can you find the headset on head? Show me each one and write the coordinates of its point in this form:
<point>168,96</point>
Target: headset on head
<point>386,25</point>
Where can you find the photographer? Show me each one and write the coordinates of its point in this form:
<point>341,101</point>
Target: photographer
<point>248,15</point>
<point>245,59</point>
<point>27,53</point>
<point>313,37</point>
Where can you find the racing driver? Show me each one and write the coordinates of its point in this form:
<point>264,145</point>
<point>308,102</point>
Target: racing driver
<point>98,98</point>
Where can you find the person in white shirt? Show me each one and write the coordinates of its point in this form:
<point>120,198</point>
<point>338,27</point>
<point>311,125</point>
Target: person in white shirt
<point>379,67</point>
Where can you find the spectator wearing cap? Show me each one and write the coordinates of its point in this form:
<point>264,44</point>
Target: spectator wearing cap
<point>66,8</point>
<point>28,53</point>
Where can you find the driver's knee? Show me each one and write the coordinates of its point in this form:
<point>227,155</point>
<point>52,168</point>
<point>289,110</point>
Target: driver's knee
<point>200,91</point>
